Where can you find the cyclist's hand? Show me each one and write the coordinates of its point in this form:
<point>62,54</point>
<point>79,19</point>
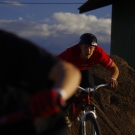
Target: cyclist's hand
<point>45,104</point>
<point>112,82</point>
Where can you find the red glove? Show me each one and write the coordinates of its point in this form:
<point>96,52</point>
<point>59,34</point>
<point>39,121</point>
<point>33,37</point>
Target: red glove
<point>45,103</point>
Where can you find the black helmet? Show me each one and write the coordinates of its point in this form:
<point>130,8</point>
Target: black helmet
<point>89,39</point>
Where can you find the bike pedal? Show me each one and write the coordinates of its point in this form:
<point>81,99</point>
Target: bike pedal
<point>68,122</point>
<point>78,119</point>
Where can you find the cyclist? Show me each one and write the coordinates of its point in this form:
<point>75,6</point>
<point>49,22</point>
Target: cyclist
<point>37,84</point>
<point>86,54</point>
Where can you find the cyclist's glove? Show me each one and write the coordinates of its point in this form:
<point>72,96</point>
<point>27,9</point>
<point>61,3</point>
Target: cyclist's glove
<point>46,103</point>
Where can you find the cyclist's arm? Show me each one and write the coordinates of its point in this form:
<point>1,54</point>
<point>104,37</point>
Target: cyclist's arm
<point>66,77</point>
<point>114,71</point>
<point>109,64</point>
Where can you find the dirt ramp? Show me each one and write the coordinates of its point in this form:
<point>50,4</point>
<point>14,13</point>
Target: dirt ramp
<point>115,107</point>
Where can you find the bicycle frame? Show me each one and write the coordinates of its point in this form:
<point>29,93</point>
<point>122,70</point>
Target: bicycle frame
<point>84,101</point>
<point>75,111</point>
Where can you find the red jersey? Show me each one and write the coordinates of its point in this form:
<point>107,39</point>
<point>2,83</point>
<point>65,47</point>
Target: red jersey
<point>99,56</point>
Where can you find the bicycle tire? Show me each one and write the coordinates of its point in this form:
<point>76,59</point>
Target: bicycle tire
<point>92,126</point>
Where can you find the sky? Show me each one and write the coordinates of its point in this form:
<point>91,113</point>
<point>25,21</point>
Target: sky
<point>57,26</point>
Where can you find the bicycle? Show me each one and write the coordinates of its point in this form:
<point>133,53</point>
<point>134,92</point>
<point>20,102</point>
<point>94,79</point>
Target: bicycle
<point>78,111</point>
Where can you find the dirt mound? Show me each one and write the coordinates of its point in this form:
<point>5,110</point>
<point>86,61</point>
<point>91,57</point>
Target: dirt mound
<point>115,107</point>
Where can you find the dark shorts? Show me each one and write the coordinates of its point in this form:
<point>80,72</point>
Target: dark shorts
<point>87,78</point>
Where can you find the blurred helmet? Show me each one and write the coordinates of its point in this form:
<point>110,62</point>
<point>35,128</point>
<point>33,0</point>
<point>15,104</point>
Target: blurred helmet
<point>89,39</point>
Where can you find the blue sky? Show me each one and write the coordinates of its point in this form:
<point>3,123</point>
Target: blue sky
<point>55,26</point>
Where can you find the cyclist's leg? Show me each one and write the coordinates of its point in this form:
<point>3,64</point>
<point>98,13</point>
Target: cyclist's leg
<point>66,111</point>
<point>67,107</point>
<point>87,78</point>
<point>91,79</point>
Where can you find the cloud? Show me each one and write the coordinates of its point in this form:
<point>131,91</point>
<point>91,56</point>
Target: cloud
<point>70,23</point>
<point>20,18</point>
<point>64,26</point>
<point>12,3</point>
<point>24,28</point>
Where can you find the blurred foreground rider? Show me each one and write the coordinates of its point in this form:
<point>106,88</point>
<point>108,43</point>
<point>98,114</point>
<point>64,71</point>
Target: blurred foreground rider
<point>34,86</point>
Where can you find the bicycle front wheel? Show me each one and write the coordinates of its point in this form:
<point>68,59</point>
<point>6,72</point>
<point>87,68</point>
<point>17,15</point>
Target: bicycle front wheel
<point>90,125</point>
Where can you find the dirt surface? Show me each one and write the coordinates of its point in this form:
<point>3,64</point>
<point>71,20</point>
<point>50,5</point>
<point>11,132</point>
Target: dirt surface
<point>115,107</point>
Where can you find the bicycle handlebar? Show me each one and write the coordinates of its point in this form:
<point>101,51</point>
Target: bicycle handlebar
<point>92,89</point>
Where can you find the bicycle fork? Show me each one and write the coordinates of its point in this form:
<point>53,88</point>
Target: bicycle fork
<point>83,121</point>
